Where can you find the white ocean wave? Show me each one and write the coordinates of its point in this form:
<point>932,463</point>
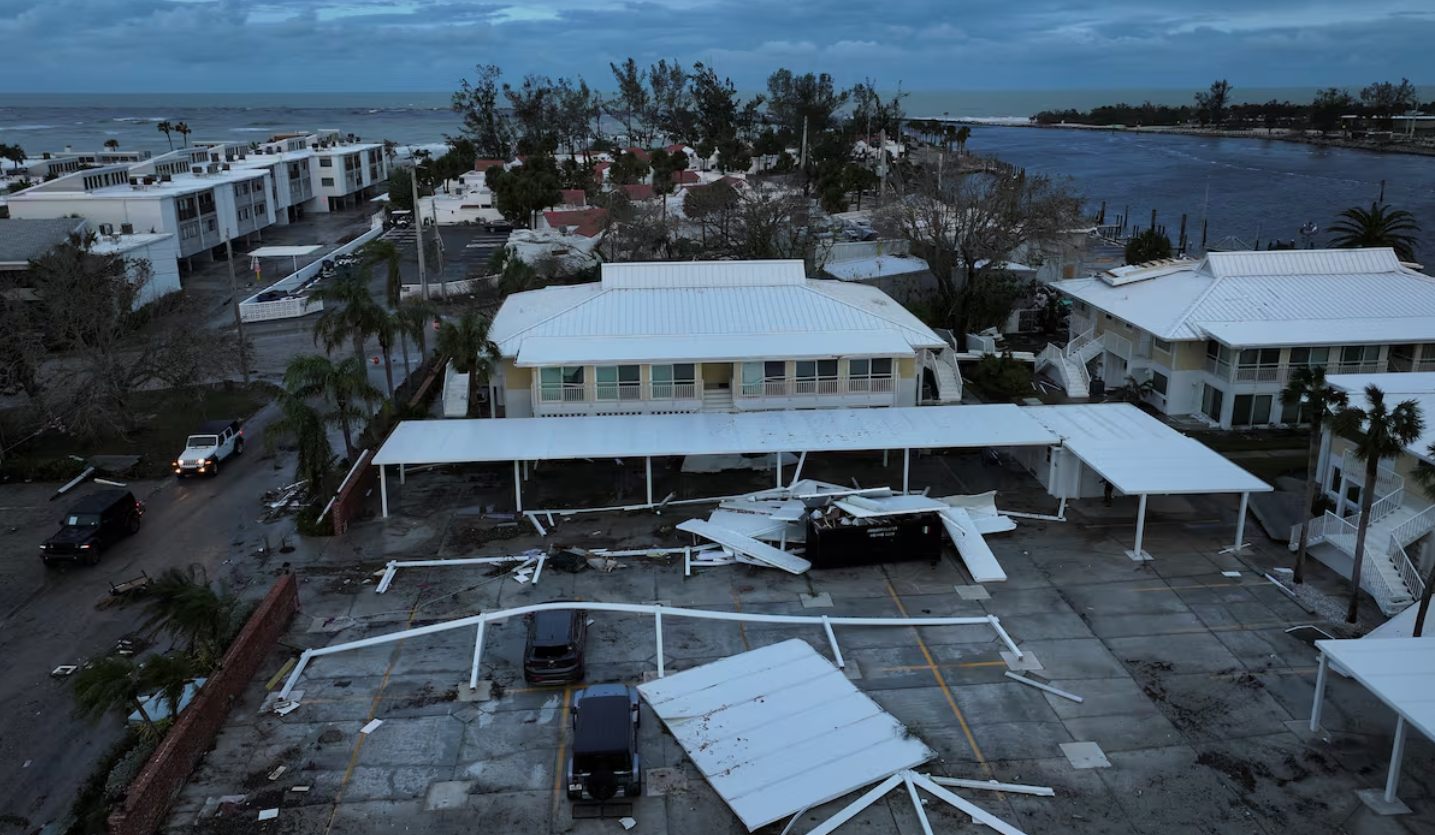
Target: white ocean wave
<point>27,127</point>
<point>140,118</point>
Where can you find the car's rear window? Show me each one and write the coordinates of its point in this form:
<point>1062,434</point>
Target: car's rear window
<point>552,628</point>
<point>555,651</point>
<point>600,762</point>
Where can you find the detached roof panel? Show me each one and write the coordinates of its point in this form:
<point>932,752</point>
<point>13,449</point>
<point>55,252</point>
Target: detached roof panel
<point>1139,454</point>
<point>780,729</point>
<point>1397,671</point>
<point>702,433</point>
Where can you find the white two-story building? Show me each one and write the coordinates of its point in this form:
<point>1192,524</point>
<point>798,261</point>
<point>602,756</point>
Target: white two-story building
<point>1218,337</point>
<point>713,336</point>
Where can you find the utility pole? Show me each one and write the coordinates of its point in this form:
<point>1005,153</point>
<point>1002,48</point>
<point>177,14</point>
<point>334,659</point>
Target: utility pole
<point>438,251</point>
<point>419,233</point>
<point>238,319</point>
<point>803,152</point>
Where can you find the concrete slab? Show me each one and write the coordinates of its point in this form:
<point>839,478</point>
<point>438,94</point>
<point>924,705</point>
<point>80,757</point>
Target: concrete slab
<point>659,781</point>
<point>973,592</point>
<point>522,771</point>
<point>1025,628</point>
<point>1027,661</point>
<point>1076,658</point>
<point>1146,625</point>
<point>1037,601</point>
<point>816,601</point>
<point>416,741</point>
<point>1188,653</point>
<point>1149,596</point>
<point>1374,800</point>
<point>482,693</point>
<point>1085,755</point>
<point>448,794</point>
<point>1123,733</point>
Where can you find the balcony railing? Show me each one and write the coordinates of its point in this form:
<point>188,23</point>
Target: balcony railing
<point>817,387</point>
<point>565,393</point>
<point>673,391</point>
<point>1279,374</point>
<point>614,392</point>
<point>618,391</point>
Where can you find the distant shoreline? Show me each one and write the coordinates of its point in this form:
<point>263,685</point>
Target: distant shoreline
<point>1415,149</point>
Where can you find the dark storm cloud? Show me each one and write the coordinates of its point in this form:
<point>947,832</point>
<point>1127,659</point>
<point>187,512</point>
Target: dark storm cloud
<point>242,45</point>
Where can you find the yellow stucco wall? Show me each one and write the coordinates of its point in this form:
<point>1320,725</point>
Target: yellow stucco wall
<point>1190,356</point>
<point>716,373</point>
<point>906,367</point>
<point>515,377</point>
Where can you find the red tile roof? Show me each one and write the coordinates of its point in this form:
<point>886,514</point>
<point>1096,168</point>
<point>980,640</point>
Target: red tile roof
<point>485,164</point>
<point>673,148</point>
<point>574,197</point>
<point>686,176</point>
<point>639,191</point>
<point>639,153</point>
<point>585,222</point>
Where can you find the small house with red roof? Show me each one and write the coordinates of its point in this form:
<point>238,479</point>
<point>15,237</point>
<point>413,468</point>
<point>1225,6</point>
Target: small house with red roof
<point>639,191</point>
<point>573,197</point>
<point>586,222</point>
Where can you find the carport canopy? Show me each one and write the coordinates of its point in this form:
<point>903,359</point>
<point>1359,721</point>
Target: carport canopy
<point>705,433</point>
<point>294,252</point>
<point>1141,456</point>
<point>1399,672</point>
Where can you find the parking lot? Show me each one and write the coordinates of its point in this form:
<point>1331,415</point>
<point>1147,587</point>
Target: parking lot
<point>1191,685</point>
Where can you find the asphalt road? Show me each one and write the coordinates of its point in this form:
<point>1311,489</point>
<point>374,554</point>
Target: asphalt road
<point>50,617</point>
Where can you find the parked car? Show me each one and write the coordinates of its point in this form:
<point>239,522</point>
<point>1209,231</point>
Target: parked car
<point>213,442</point>
<point>94,523</point>
<point>604,763</point>
<point>554,651</point>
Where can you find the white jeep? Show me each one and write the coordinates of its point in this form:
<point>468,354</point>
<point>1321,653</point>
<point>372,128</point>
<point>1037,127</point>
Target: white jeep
<point>215,441</point>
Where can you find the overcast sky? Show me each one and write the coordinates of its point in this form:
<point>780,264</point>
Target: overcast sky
<point>418,45</point>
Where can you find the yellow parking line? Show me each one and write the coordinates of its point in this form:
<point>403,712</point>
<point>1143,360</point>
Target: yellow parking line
<point>741,625</point>
<point>951,664</point>
<point>942,683</point>
<point>558,786</point>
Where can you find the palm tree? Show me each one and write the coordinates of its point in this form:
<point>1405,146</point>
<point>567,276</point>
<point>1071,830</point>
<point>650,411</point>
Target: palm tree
<point>169,675</point>
<point>386,331</point>
<point>963,134</point>
<point>310,431</point>
<point>185,606</point>
<point>418,315</point>
<point>109,683</point>
<point>466,342</point>
<point>1317,401</point>
<point>166,128</point>
<point>350,312</point>
<point>379,251</point>
<point>182,129</point>
<point>112,144</point>
<point>344,383</point>
<point>1377,432</point>
<point>1380,226</point>
<point>15,154</point>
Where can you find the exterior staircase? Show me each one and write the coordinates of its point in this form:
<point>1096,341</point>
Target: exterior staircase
<point>949,380</point>
<point>455,393</point>
<point>1069,363</point>
<point>1388,573</point>
<point>717,399</point>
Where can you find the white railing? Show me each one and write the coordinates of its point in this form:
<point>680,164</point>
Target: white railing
<point>617,391</point>
<point>871,385</point>
<point>1414,527</point>
<point>1261,373</point>
<point>1117,344</point>
<point>562,393</point>
<point>674,391</point>
<point>816,387</point>
<point>1413,581</point>
<point>1080,341</point>
<point>1387,504</point>
<point>1386,479</point>
<point>1341,534</point>
<point>592,392</point>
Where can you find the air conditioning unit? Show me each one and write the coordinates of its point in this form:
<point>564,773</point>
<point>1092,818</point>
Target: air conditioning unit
<point>134,181</point>
<point>127,228</point>
<point>224,167</point>
<point>107,229</point>
<point>166,178</point>
<point>197,170</point>
<point>212,168</point>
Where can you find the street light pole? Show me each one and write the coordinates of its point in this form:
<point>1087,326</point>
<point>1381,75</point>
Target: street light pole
<point>419,232</point>
<point>238,319</point>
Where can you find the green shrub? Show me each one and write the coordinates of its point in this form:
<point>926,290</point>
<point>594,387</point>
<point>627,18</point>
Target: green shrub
<point>307,521</point>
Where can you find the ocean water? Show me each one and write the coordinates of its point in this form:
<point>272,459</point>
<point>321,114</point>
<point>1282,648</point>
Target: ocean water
<point>1245,187</point>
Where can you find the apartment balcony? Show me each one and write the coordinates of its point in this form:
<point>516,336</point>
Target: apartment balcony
<point>593,398</point>
<point>1280,374</point>
<point>815,392</point>
<point>1398,363</point>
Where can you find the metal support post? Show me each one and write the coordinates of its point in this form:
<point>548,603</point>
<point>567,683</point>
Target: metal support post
<point>1397,755</point>
<point>778,456</point>
<point>648,470</point>
<point>906,468</point>
<point>517,489</point>
<point>477,654</point>
<point>1240,526</point>
<point>1139,554</point>
<point>658,628</point>
<point>401,473</point>
<point>832,639</point>
<point>797,473</point>
<point>1319,702</point>
<point>383,492</point>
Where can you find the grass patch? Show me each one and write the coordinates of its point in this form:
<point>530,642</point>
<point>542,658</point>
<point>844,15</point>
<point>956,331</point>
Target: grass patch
<point>165,419</point>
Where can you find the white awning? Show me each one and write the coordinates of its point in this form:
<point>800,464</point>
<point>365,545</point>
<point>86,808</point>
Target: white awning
<point>779,730</point>
<point>625,436</point>
<point>1354,331</point>
<point>1140,455</point>
<point>1398,671</point>
<point>285,251</point>
<point>581,350</point>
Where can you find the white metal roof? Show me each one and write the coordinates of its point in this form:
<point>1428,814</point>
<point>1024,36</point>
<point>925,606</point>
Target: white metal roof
<point>1399,385</point>
<point>733,298</point>
<point>1289,297</point>
<point>1398,671</point>
<point>578,350</point>
<point>856,269</point>
<point>703,433</point>
<point>1139,454</point>
<point>284,251</point>
<point>780,729</point>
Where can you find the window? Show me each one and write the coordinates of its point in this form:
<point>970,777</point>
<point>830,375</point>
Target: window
<point>816,376</point>
<point>326,162</point>
<point>326,181</point>
<point>242,212</point>
<point>1309,356</point>
<point>1159,382</point>
<point>1126,325</point>
<point>1251,410</point>
<point>211,225</point>
<point>869,374</point>
<point>189,230</point>
<point>1161,345</point>
<point>259,209</point>
<point>618,382</point>
<point>1360,354</point>
<point>1212,399</point>
<point>674,382</point>
<point>560,385</point>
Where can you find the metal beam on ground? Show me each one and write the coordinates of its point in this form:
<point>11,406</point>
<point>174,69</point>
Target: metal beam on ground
<point>797,473</point>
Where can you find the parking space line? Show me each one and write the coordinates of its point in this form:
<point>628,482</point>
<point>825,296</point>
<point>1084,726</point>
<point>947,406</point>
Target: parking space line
<point>942,683</point>
<point>558,787</point>
<point>373,710</point>
<point>741,625</point>
<point>949,664</point>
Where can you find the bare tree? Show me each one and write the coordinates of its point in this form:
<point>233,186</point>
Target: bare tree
<point>970,226</point>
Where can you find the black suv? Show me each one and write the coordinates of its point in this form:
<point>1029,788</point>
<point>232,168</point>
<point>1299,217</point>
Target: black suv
<point>93,524</point>
<point>554,651</point>
<point>604,762</point>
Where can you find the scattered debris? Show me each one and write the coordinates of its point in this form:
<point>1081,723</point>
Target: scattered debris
<point>628,823</point>
<point>64,670</point>
<point>284,709</point>
<point>274,775</point>
<point>1230,573</point>
<point>1038,685</point>
<point>299,789</point>
<point>280,501</point>
<point>371,727</point>
<point>268,814</point>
